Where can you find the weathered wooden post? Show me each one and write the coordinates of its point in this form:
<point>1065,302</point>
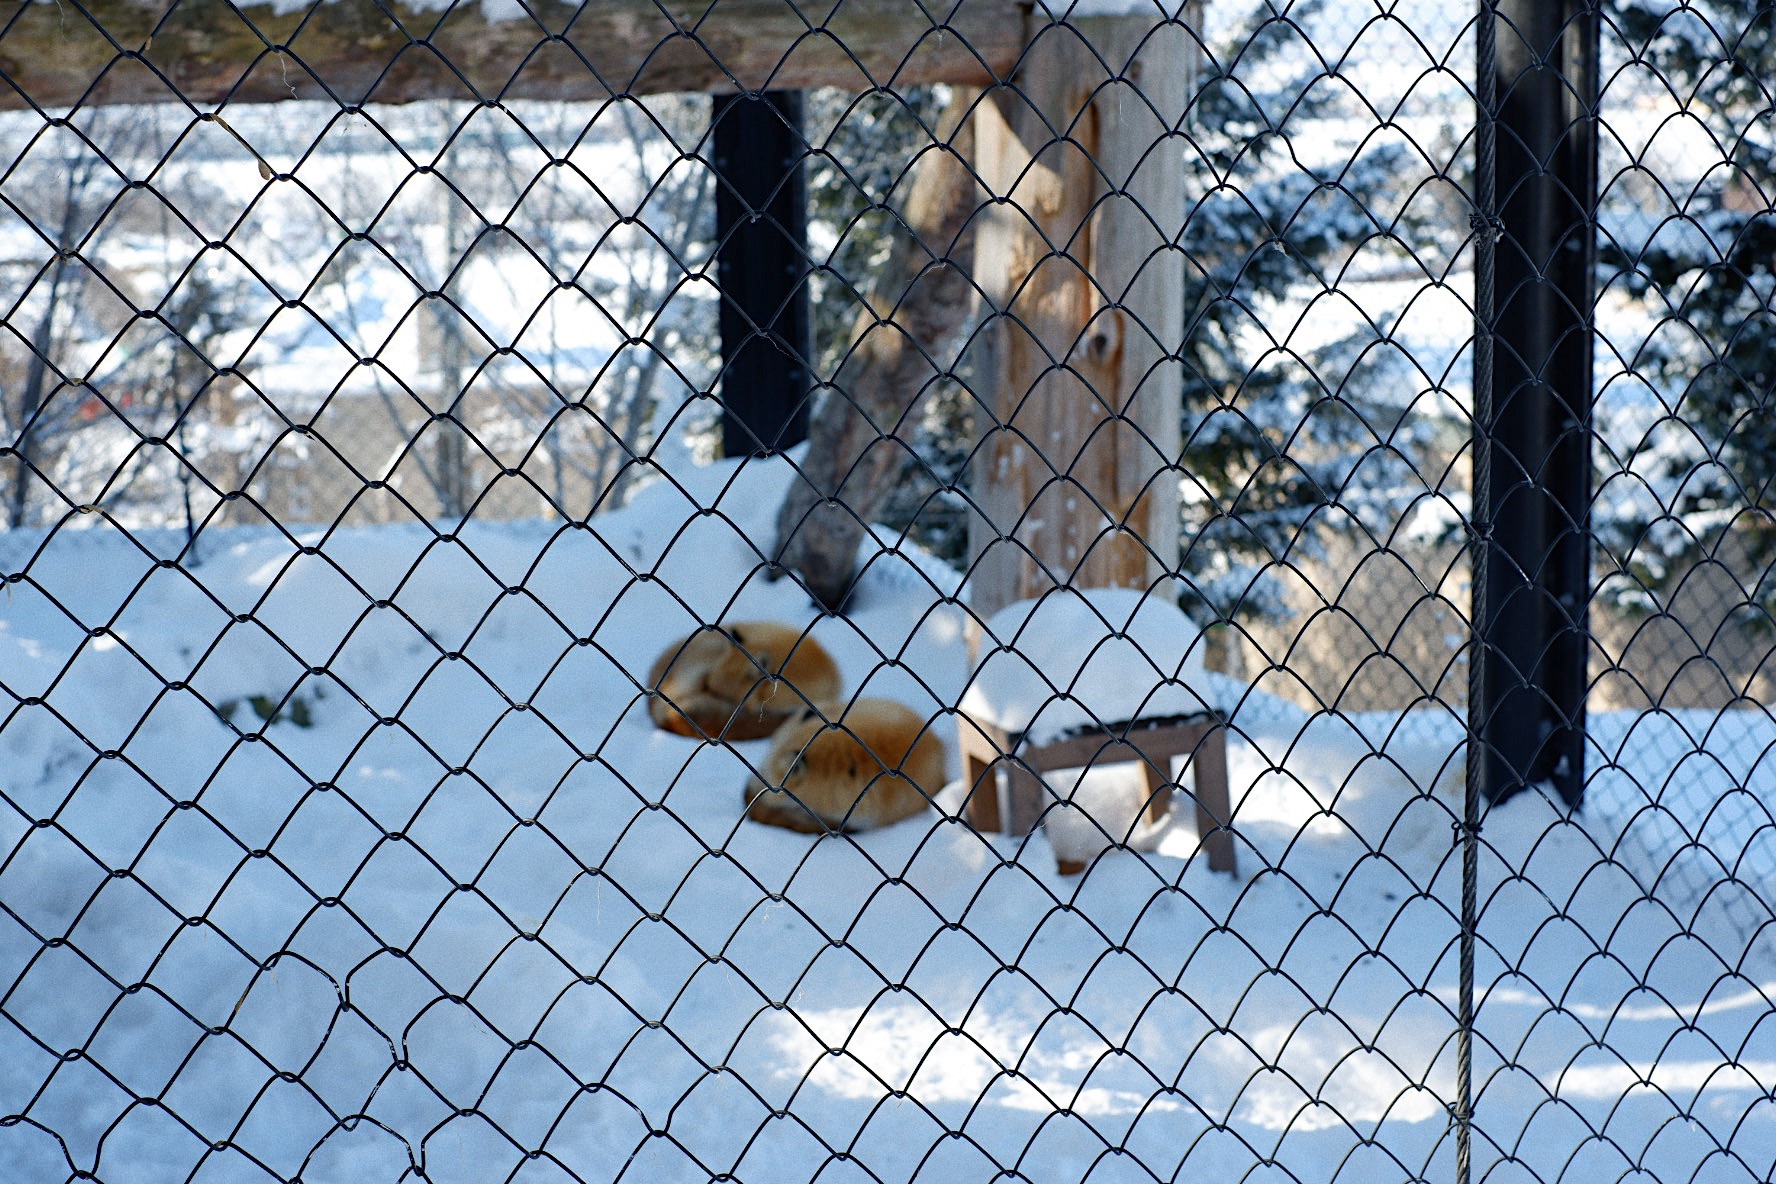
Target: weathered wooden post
<point>920,300</point>
<point>1083,274</point>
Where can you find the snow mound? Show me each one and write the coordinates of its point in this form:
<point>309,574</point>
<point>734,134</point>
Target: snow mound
<point>473,914</point>
<point>1077,658</point>
<point>1690,797</point>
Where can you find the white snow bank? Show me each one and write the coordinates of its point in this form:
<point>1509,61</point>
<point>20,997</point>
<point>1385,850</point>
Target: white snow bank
<point>479,919</point>
<point>1076,658</point>
<point>1691,797</point>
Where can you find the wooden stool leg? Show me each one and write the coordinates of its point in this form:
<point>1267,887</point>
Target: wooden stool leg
<point>982,810</point>
<point>1156,776</point>
<point>983,748</point>
<point>1026,798</point>
<point>1214,811</point>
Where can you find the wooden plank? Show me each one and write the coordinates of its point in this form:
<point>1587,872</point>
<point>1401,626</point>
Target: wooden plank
<point>1077,478</point>
<point>208,52</point>
<point>1158,783</point>
<point>1105,746</point>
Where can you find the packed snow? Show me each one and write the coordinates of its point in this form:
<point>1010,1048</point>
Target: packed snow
<point>351,855</point>
<point>1077,658</point>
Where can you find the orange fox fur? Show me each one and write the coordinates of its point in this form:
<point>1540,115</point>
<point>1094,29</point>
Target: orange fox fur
<point>877,762</point>
<point>740,681</point>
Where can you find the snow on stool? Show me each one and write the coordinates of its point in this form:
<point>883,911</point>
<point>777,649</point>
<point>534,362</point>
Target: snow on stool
<point>1087,677</point>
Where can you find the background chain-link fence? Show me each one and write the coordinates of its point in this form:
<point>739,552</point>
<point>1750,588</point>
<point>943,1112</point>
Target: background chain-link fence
<point>362,382</point>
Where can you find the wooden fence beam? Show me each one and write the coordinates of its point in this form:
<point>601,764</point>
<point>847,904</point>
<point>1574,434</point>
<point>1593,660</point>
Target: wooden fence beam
<point>208,52</point>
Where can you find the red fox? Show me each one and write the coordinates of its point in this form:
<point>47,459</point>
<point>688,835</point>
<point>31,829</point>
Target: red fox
<point>739,681</point>
<point>876,762</point>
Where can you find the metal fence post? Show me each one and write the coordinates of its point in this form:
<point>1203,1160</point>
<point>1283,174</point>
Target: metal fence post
<point>1533,434</point>
<point>761,215</point>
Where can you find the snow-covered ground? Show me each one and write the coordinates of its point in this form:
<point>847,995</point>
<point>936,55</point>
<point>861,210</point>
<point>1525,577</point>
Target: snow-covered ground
<point>459,910</point>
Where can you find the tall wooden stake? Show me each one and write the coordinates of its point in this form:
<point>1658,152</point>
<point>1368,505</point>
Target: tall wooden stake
<point>1077,480</point>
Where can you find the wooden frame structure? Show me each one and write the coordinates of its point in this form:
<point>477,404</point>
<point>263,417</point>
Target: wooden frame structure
<point>1017,808</point>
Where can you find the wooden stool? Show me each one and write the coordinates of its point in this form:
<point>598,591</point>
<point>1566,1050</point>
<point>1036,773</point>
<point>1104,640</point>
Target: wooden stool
<point>1153,743</point>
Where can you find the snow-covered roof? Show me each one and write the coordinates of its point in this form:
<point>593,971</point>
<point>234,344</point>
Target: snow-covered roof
<point>1077,657</point>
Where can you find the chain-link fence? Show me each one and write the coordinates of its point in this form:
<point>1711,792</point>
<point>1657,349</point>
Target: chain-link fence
<point>453,727</point>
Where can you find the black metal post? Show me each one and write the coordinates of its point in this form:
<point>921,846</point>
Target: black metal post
<point>761,218</point>
<point>1533,435</point>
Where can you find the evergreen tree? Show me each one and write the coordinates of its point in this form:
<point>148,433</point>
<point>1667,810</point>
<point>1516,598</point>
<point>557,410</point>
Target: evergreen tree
<point>1295,198</point>
<point>1283,443</point>
<point>1690,240</point>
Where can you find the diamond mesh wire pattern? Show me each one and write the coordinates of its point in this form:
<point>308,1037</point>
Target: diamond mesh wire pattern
<point>360,389</point>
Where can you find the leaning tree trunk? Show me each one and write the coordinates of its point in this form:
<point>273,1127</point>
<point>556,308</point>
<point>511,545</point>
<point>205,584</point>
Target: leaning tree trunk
<point>902,344</point>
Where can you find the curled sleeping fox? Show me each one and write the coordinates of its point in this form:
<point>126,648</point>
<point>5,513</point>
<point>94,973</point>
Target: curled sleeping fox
<point>740,681</point>
<point>875,762</point>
